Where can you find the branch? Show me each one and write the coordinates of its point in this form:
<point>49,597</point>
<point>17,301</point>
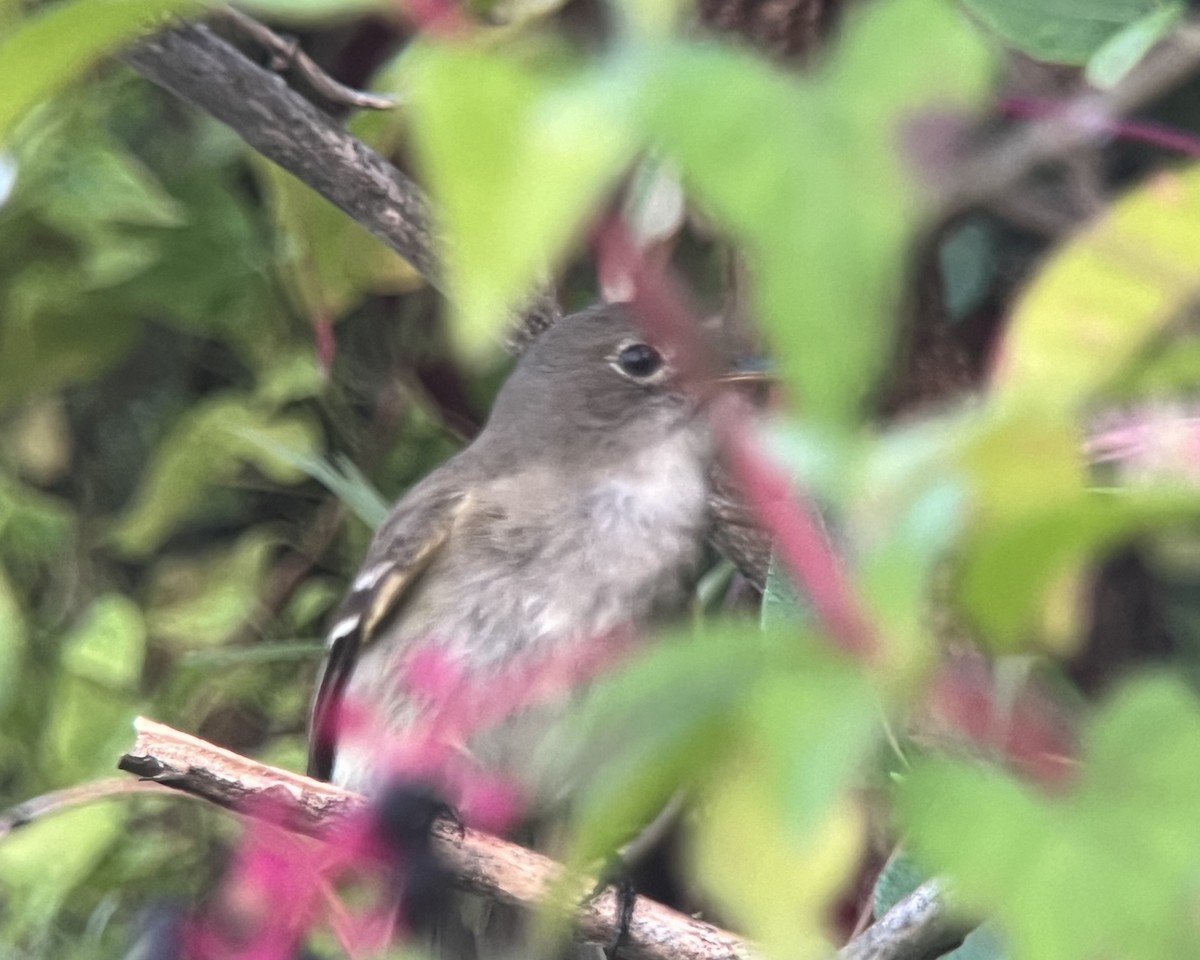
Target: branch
<point>498,870</point>
<point>199,67</point>
<point>917,927</point>
<point>480,863</point>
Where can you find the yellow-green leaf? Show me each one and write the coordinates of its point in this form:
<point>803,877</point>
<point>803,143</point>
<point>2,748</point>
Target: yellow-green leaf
<point>50,48</point>
<point>1102,296</point>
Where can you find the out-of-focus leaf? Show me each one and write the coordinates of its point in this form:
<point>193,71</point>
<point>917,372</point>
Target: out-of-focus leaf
<point>777,882</point>
<point>652,18</point>
<point>197,602</point>
<point>912,506</point>
<point>41,863</point>
<point>1054,871</point>
<point>1017,463</point>
<point>109,645</point>
<point>1009,571</point>
<point>34,527</point>
<point>301,11</point>
<point>39,439</point>
<point>515,158</point>
<point>339,476</point>
<point>814,725</point>
<point>1102,296</point>
<point>311,601</point>
<point>967,263</point>
<point>43,345</point>
<point>96,694</point>
<point>13,632</point>
<point>332,262</point>
<point>822,226</point>
<point>1121,52</point>
<point>47,50</point>
<point>1062,31</point>
<point>648,730</point>
<point>294,375</point>
<point>228,656</point>
<point>101,185</point>
<point>205,449</point>
<point>223,238</point>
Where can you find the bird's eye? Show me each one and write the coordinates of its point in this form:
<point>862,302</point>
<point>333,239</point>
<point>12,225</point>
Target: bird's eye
<point>639,361</point>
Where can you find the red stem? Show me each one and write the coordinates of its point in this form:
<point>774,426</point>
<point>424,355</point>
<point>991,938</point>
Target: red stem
<point>660,304</point>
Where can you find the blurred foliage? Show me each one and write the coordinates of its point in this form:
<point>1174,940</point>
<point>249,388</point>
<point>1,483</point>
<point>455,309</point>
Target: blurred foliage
<point>211,381</point>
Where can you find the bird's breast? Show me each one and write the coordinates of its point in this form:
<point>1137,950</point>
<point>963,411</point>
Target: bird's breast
<point>541,567</point>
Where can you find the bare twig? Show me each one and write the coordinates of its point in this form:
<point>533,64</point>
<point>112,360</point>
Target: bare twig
<point>917,927</point>
<point>58,801</point>
<point>288,55</point>
<point>198,66</point>
<point>482,864</point>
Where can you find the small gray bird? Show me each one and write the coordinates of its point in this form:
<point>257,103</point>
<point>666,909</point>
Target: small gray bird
<point>578,512</point>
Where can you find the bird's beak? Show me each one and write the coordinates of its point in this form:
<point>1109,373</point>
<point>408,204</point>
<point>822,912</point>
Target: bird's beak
<point>751,377</point>
<point>749,370</point>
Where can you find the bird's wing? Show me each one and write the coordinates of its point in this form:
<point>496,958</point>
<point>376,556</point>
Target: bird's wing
<point>403,548</point>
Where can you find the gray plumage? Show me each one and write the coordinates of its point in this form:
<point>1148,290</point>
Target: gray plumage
<point>579,509</point>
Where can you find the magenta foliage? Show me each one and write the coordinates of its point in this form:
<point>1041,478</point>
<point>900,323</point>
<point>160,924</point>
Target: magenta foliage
<point>281,884</point>
<point>1088,116</point>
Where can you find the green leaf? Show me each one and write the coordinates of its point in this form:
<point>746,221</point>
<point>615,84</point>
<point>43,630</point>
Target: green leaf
<point>1105,868</point>
<point>13,635</point>
<point>48,50</point>
<point>43,344</point>
<point>1102,296</point>
<point>814,725</point>
<point>40,864</point>
<point>1009,571</point>
<point>777,883</point>
<point>304,11</point>
<point>34,528</point>
<point>1124,49</point>
<point>207,448</point>
<point>646,731</point>
<point>331,261</point>
<point>782,603</point>
<point>339,476</point>
<point>200,601</point>
<point>516,158</point>
<point>808,179</point>
<point>101,184</point>
<point>1062,31</point>
<point>109,646</point>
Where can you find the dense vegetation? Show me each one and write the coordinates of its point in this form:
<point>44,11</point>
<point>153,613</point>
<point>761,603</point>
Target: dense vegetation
<point>212,381</point>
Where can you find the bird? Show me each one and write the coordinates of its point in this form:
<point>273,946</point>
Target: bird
<point>577,515</point>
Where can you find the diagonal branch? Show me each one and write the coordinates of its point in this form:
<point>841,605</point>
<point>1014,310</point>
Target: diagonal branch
<point>196,65</point>
<point>199,67</point>
<point>480,863</point>
<point>916,927</point>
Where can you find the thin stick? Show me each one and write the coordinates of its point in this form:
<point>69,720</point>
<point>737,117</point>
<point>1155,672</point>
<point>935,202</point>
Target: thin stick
<point>503,871</point>
<point>59,801</point>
